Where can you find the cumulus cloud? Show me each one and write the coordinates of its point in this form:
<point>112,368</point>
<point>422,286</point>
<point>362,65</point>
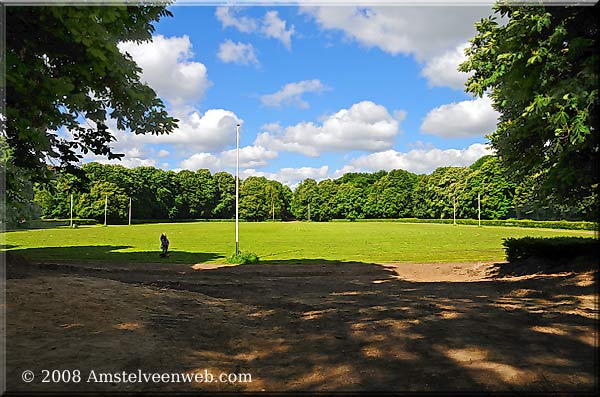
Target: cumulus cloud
<point>200,161</point>
<point>229,18</point>
<point>364,126</point>
<point>125,143</point>
<point>239,53</point>
<point>250,156</point>
<point>442,71</point>
<point>135,155</point>
<point>213,130</point>
<point>462,119</point>
<point>270,26</point>
<point>128,162</point>
<point>434,35</point>
<point>271,127</point>
<point>290,176</point>
<point>424,31</point>
<point>420,161</point>
<point>291,94</point>
<point>168,68</point>
<point>275,28</point>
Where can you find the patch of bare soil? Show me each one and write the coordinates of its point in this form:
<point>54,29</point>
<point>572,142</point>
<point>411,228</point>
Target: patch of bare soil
<point>303,327</point>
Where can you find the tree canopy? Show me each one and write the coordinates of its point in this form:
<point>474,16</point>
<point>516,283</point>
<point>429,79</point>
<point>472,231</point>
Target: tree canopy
<point>161,195</point>
<point>541,71</point>
<point>64,72</point>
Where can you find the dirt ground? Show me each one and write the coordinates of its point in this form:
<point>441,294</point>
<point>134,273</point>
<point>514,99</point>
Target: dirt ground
<point>304,327</point>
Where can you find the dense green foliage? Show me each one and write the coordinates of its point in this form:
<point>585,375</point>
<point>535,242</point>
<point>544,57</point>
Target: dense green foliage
<point>289,242</point>
<point>158,194</point>
<point>528,223</point>
<point>65,78</point>
<point>243,258</point>
<point>15,203</point>
<point>541,69</point>
<point>556,248</point>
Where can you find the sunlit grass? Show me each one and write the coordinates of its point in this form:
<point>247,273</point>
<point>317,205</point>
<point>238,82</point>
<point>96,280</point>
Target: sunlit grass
<point>207,242</point>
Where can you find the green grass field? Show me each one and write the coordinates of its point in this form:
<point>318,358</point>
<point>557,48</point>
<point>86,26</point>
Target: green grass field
<point>207,242</point>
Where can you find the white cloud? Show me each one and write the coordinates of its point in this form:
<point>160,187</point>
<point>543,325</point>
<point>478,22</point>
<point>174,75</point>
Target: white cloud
<point>213,130</point>
<point>275,28</point>
<point>200,161</point>
<point>229,18</point>
<point>399,114</point>
<point>420,161</point>
<point>365,126</point>
<point>135,154</point>
<point>168,68</point>
<point>128,162</point>
<point>290,176</point>
<point>270,26</point>
<point>271,127</point>
<point>423,31</point>
<point>125,143</point>
<point>239,53</point>
<point>291,93</point>
<point>250,156</point>
<point>344,170</point>
<point>442,71</point>
<point>434,35</point>
<point>462,119</point>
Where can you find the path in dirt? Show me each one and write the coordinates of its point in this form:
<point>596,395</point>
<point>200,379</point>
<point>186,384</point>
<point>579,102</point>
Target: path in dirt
<point>326,326</point>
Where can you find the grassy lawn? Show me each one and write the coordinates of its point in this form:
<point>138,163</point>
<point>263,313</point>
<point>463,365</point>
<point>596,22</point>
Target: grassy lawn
<point>207,242</point>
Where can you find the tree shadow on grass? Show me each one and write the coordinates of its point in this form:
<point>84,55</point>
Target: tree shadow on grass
<point>111,254</point>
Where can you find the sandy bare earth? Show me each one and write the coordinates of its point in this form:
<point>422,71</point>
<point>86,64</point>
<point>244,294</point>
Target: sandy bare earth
<point>303,327</point>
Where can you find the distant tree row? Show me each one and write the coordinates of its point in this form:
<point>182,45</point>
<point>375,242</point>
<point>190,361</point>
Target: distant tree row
<point>159,194</point>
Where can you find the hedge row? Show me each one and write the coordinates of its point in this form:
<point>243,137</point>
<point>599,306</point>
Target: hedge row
<point>49,223</point>
<point>549,248</point>
<point>568,225</point>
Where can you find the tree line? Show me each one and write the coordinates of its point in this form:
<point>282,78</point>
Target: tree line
<point>159,194</point>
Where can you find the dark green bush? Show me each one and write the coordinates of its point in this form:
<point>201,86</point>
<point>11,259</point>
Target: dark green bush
<point>49,222</point>
<point>549,248</point>
<point>243,258</point>
<point>567,225</point>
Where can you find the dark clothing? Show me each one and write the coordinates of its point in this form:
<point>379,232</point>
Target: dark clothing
<point>164,244</point>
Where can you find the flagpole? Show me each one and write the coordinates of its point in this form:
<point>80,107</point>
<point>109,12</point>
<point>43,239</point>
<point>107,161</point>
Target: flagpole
<point>237,190</point>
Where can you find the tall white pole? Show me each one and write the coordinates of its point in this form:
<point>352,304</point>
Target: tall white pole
<point>479,208</point>
<point>237,190</point>
<point>129,210</point>
<point>71,223</point>
<point>105,208</point>
<point>455,210</point>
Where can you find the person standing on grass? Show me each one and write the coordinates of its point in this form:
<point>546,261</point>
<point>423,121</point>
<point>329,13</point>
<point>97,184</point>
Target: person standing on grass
<point>164,244</point>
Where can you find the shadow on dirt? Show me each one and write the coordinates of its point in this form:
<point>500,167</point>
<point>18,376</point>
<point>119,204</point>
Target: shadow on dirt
<point>358,326</point>
<point>351,326</point>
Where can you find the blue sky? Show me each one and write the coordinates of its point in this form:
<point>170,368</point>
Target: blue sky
<point>319,90</point>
